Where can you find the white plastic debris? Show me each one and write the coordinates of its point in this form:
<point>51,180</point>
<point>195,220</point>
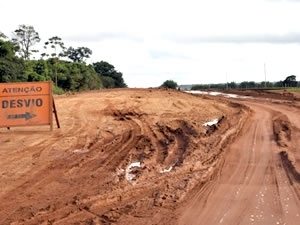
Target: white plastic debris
<point>167,170</point>
<point>210,123</point>
<point>129,176</point>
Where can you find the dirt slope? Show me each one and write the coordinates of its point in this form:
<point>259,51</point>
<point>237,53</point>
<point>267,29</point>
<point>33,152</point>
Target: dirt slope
<point>143,156</point>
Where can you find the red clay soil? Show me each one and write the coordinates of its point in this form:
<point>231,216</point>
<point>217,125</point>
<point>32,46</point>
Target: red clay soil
<point>143,156</point>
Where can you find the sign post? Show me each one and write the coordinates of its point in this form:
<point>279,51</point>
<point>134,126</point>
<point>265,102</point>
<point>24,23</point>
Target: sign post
<point>26,104</point>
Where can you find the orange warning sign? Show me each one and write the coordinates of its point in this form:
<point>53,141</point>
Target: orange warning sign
<point>25,104</point>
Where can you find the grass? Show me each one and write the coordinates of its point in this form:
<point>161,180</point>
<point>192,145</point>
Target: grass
<point>292,89</point>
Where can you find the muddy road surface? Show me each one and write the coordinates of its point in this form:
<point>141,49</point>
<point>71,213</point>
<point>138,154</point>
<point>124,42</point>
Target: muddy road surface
<point>258,182</point>
<point>144,156</point>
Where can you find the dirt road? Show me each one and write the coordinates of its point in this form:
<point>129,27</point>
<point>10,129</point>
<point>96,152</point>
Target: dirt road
<point>143,156</point>
<point>257,183</point>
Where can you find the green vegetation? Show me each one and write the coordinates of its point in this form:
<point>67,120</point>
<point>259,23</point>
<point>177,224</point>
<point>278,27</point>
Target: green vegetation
<point>12,68</point>
<point>289,82</point>
<point>66,67</point>
<point>110,77</point>
<point>295,89</point>
<point>291,89</point>
<point>169,84</point>
<point>25,37</point>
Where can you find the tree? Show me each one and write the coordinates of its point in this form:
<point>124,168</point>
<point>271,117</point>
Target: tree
<point>59,50</point>
<point>232,85</point>
<point>169,84</point>
<point>108,82</point>
<point>78,54</point>
<point>200,87</point>
<point>57,45</point>
<point>37,70</point>
<point>6,49</point>
<point>290,81</point>
<point>26,37</point>
<point>247,84</point>
<point>104,69</point>
<point>78,76</point>
<point>11,67</point>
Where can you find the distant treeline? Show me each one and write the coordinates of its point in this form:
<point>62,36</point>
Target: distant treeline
<point>290,81</point>
<point>66,67</point>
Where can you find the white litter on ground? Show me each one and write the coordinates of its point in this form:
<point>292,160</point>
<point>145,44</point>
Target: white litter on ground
<point>82,150</point>
<point>167,170</point>
<point>210,123</point>
<point>129,176</point>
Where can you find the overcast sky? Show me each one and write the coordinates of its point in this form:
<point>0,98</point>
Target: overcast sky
<point>188,41</point>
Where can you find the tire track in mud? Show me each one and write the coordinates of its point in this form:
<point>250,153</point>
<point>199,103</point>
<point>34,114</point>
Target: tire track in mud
<point>208,195</point>
<point>260,195</point>
<point>174,144</point>
<point>80,178</point>
<point>290,169</point>
<point>143,143</point>
<point>117,153</point>
<point>121,146</point>
<point>201,194</point>
<point>286,135</point>
<point>156,134</point>
<point>269,170</point>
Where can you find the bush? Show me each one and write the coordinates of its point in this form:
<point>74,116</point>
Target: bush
<point>57,90</point>
<point>169,84</point>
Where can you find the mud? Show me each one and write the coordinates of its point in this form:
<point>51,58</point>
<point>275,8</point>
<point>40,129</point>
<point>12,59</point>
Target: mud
<point>144,156</point>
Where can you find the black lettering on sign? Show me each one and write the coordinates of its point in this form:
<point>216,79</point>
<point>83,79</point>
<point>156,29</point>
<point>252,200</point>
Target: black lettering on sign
<point>22,90</point>
<point>39,102</point>
<point>12,104</point>
<point>4,104</point>
<point>27,102</point>
<point>20,103</point>
<point>38,89</point>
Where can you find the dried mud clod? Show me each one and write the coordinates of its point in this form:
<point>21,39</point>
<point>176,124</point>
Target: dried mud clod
<point>282,131</point>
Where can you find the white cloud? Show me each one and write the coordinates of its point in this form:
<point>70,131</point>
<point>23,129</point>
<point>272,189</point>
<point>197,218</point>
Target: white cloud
<point>190,41</point>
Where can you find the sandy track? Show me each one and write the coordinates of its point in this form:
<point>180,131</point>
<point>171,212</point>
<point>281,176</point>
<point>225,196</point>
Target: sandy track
<point>138,156</point>
<point>258,183</point>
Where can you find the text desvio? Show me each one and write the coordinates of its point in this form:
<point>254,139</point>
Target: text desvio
<point>20,103</point>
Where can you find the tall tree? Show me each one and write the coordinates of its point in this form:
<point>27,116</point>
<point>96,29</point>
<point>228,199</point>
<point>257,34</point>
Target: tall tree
<point>58,50</point>
<point>290,81</point>
<point>57,46</point>
<point>26,37</point>
<point>79,54</point>
<point>104,69</point>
